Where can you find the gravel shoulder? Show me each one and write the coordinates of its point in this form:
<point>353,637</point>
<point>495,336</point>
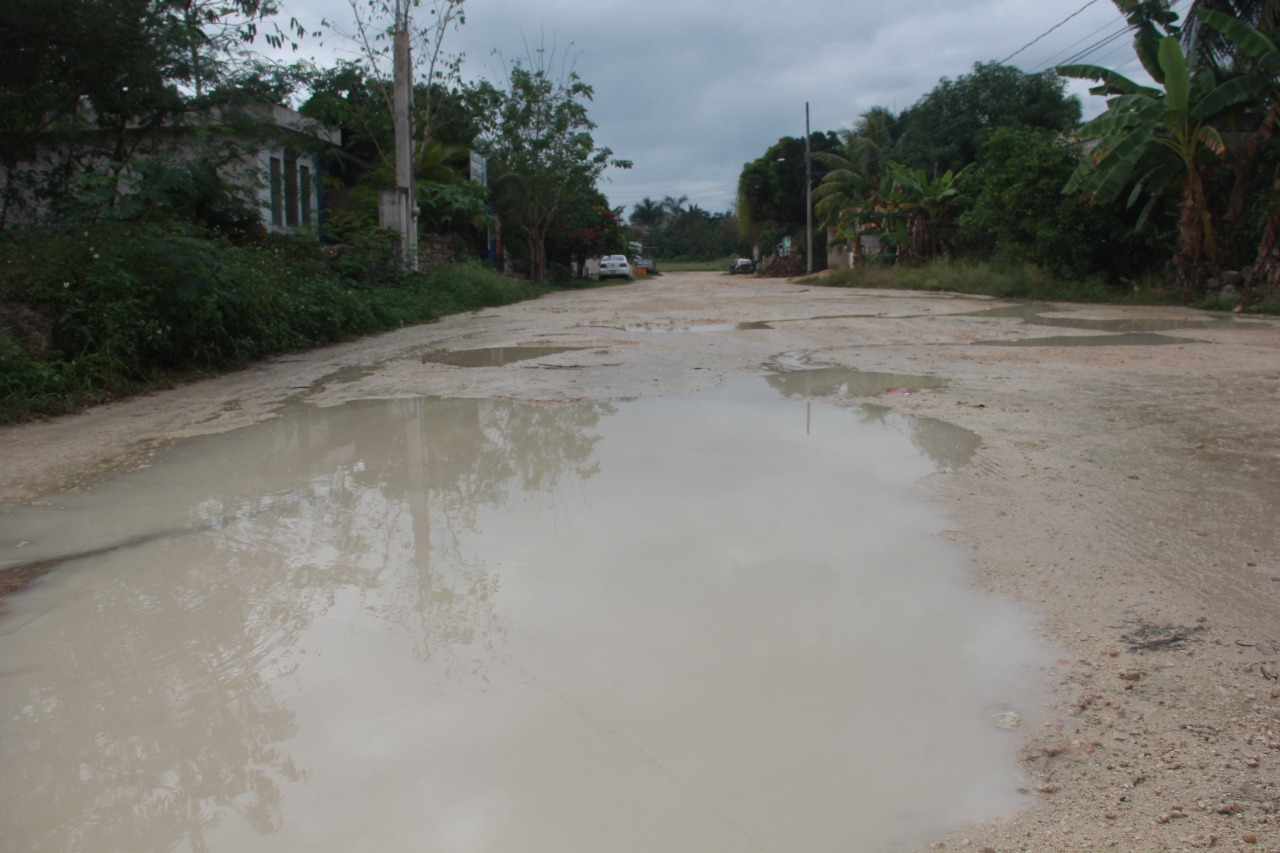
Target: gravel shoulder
<point>1129,492</point>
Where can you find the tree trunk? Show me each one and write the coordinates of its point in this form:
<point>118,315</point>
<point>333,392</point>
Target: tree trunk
<point>1267,265</point>
<point>1193,228</point>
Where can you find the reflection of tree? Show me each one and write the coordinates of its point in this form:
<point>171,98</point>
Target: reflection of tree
<point>844,382</point>
<point>159,723</point>
<point>948,445</point>
<point>166,719</point>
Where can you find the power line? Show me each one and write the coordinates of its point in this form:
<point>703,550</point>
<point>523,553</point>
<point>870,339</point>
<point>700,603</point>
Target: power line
<point>1053,60</point>
<point>1101,43</point>
<point>1046,32</point>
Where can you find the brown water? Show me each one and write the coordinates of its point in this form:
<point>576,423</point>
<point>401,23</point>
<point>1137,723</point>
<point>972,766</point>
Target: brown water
<point>1047,314</point>
<point>493,356</point>
<point>711,623</point>
<point>754,325</point>
<point>1127,339</point>
<point>848,382</point>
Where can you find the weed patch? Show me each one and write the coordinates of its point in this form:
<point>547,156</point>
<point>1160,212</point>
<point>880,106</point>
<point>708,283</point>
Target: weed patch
<point>95,314</point>
<point>1019,281</point>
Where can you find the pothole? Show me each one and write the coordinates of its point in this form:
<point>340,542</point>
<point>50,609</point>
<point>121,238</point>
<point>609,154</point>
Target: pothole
<point>1128,339</point>
<point>848,382</point>
<point>492,356</point>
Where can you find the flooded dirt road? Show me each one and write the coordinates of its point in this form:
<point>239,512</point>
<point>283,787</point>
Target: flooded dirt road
<point>698,564</point>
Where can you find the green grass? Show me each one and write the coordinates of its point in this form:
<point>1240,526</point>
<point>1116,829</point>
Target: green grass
<point>985,278</point>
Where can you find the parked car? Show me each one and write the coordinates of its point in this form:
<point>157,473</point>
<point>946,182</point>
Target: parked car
<point>614,266</point>
<point>742,266</point>
<point>649,265</point>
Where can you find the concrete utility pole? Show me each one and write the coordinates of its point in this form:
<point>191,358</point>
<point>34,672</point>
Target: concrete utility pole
<point>808,195</point>
<point>402,105</point>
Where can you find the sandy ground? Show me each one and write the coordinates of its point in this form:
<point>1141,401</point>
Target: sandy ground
<point>1129,493</point>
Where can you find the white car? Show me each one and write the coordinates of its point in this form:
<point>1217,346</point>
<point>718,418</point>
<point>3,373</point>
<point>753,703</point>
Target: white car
<point>614,266</point>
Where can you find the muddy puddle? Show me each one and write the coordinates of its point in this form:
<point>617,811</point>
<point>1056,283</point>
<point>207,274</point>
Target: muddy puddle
<point>720,622</point>
<point>847,382</point>
<point>754,325</point>
<point>492,356</point>
<point>1126,339</point>
<point>1047,314</point>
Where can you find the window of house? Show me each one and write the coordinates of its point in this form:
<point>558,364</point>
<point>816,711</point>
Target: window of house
<point>304,192</point>
<point>277,193</point>
<point>290,189</point>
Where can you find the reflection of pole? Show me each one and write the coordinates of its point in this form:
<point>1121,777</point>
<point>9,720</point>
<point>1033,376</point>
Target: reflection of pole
<point>419,487</point>
<point>401,104</point>
<point>808,195</point>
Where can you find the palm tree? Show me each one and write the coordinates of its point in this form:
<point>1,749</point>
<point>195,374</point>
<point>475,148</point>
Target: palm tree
<point>1210,43</point>
<point>673,207</point>
<point>853,172</point>
<point>647,213</point>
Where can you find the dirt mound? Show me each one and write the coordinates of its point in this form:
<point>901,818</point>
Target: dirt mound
<point>785,267</point>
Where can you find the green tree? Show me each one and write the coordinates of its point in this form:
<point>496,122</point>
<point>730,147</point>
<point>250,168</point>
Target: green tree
<point>945,129</point>
<point>1150,139</point>
<point>771,190</point>
<point>1021,202</point>
<point>540,135</point>
<point>587,227</point>
<point>87,85</point>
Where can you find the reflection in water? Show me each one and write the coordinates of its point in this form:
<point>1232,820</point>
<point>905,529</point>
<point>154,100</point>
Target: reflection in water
<point>846,382</point>
<point>1128,339</point>
<point>492,356</point>
<point>948,445</point>
<point>750,326</point>
<point>1047,314</point>
<point>148,712</point>
<point>467,625</point>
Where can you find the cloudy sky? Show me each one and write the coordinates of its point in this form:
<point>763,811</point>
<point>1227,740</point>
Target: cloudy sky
<point>690,90</point>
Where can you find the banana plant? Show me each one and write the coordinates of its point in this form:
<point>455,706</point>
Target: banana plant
<point>925,204</point>
<point>1260,56</point>
<point>1150,139</point>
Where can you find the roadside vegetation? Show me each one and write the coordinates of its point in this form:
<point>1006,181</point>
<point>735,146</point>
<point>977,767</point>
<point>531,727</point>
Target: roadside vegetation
<point>1002,278</point>
<point>991,184</point>
<point>98,313</point>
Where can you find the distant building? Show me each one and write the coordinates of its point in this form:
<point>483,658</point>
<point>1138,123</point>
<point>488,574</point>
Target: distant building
<point>271,155</point>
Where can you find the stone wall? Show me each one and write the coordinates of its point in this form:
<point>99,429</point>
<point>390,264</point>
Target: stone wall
<point>436,250</point>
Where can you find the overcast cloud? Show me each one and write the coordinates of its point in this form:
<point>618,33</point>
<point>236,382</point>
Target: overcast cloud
<point>690,90</point>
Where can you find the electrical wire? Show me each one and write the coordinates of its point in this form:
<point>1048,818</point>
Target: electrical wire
<point>1046,32</point>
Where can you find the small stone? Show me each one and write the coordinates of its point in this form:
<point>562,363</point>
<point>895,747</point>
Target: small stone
<point>1249,838</point>
<point>1007,720</point>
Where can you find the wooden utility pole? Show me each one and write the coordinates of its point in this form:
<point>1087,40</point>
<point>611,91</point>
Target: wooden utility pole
<point>808,195</point>
<point>402,105</point>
